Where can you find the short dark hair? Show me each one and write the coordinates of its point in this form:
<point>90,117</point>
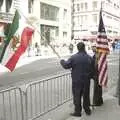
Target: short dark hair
<point>81,46</point>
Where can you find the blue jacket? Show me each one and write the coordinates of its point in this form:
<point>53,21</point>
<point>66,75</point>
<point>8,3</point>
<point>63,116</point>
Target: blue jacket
<point>81,67</point>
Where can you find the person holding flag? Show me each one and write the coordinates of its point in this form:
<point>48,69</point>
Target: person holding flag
<point>100,63</point>
<point>81,66</point>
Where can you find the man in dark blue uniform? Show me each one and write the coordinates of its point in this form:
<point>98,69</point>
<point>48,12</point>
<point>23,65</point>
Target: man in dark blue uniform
<point>80,64</point>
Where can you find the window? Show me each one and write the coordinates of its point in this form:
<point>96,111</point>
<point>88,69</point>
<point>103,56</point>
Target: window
<point>94,5</point>
<point>65,15</point>
<point>8,5</point>
<point>30,6</point>
<point>86,6</point>
<point>49,12</point>
<point>1,2</point>
<point>83,19</point>
<point>109,1</point>
<point>115,32</point>
<point>81,6</point>
<point>109,31</point>
<point>64,35</point>
<point>78,7</point>
<point>94,18</point>
<point>75,20</point>
<point>48,33</point>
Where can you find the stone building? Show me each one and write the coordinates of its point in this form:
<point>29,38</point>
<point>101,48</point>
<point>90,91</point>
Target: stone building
<point>85,17</point>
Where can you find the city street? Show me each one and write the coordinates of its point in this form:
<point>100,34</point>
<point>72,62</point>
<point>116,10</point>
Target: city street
<point>44,68</point>
<point>31,72</point>
<point>36,35</point>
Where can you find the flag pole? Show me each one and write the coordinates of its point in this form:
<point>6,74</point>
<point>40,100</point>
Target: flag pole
<point>97,53</point>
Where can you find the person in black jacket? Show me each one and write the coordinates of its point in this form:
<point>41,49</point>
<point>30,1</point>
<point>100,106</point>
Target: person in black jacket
<point>97,94</point>
<point>80,65</point>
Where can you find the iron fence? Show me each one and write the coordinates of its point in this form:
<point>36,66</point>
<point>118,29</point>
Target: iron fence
<point>45,95</point>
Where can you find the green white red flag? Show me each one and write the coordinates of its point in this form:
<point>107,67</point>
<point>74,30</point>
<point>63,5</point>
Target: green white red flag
<point>9,33</point>
<point>15,44</point>
<point>25,40</point>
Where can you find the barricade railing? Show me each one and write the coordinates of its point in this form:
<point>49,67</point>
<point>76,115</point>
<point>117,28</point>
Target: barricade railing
<point>42,96</point>
<point>45,95</point>
<point>11,104</point>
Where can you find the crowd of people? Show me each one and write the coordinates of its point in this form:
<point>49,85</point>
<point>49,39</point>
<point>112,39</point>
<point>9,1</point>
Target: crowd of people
<point>83,68</point>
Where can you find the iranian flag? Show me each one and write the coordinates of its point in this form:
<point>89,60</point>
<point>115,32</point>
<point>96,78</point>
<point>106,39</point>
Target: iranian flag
<point>16,46</point>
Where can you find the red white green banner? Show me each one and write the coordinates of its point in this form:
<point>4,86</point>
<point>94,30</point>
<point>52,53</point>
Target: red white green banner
<point>15,45</point>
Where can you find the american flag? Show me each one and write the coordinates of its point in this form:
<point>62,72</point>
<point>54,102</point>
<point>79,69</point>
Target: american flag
<point>102,51</point>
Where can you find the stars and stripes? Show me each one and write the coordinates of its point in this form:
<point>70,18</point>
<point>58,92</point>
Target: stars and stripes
<point>102,69</point>
<point>102,41</point>
<point>102,51</point>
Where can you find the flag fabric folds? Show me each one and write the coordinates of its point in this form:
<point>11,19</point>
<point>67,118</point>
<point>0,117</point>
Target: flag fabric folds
<point>102,41</point>
<point>25,40</point>
<point>102,51</point>
<point>15,44</point>
<point>10,31</point>
<point>102,69</point>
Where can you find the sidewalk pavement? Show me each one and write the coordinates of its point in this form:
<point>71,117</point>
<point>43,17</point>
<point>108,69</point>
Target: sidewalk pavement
<point>110,110</point>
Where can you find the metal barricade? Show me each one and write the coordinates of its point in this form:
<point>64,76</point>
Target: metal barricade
<point>113,72</point>
<point>11,104</point>
<point>45,95</point>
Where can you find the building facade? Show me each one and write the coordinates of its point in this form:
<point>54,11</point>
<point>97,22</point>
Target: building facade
<point>85,15</point>
<point>7,10</point>
<point>53,21</point>
<point>50,18</point>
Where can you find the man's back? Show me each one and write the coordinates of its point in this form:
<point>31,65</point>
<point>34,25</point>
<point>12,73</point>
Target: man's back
<point>81,66</point>
<point>81,61</point>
